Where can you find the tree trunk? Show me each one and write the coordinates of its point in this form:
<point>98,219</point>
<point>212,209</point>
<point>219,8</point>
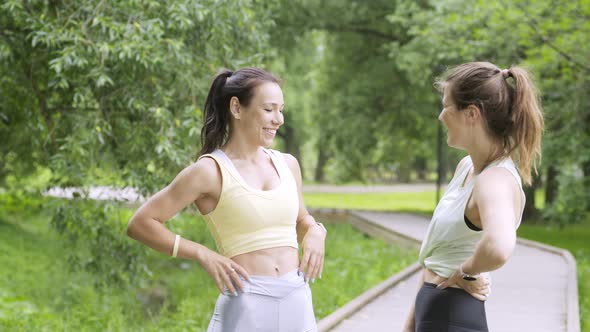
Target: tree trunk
<point>586,179</point>
<point>291,145</point>
<point>530,210</point>
<point>551,185</point>
<point>421,168</point>
<point>320,175</point>
<point>586,164</point>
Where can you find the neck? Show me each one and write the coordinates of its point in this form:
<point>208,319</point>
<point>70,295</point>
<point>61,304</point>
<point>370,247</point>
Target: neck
<point>240,149</point>
<point>482,153</point>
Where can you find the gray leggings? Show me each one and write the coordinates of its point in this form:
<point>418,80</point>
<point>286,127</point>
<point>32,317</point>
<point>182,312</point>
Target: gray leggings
<point>267,304</point>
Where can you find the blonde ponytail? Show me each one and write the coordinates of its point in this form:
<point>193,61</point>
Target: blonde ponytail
<point>528,123</point>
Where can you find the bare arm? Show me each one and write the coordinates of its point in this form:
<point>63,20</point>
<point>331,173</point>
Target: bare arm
<point>498,200</point>
<point>309,233</point>
<point>147,224</point>
<point>190,184</point>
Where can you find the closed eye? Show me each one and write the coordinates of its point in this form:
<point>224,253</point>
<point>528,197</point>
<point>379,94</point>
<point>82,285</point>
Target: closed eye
<point>268,110</point>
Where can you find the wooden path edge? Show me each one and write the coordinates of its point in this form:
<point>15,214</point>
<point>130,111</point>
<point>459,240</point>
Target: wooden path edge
<point>335,318</point>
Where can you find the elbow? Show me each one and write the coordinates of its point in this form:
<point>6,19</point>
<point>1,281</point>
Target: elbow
<point>500,255</point>
<point>500,258</point>
<point>499,250</point>
<point>131,228</point>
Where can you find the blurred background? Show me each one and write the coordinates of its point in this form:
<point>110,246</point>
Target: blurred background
<point>109,94</point>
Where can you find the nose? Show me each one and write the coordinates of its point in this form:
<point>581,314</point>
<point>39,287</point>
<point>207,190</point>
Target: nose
<point>440,115</point>
<point>278,119</point>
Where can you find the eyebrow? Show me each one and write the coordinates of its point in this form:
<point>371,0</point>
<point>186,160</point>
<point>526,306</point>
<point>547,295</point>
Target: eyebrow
<point>274,104</point>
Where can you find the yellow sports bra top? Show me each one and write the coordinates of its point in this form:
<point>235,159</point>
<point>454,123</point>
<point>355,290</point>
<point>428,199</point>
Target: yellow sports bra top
<point>247,219</point>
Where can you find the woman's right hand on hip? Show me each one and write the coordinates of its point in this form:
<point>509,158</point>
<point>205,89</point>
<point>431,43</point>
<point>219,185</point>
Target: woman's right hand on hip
<point>225,272</point>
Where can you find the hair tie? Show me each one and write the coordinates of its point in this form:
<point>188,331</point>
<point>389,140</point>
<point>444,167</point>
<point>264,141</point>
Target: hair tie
<point>505,73</point>
<point>228,76</point>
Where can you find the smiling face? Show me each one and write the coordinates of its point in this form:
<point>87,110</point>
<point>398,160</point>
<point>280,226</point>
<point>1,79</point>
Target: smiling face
<point>259,121</point>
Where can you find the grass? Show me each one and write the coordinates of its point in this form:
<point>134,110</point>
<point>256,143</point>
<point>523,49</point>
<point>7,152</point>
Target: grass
<point>39,292</point>
<point>419,202</point>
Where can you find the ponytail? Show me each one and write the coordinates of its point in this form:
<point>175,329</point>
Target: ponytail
<point>216,115</point>
<point>528,123</point>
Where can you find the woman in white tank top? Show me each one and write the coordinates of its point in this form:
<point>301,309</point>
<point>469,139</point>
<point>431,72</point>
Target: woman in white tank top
<point>494,115</point>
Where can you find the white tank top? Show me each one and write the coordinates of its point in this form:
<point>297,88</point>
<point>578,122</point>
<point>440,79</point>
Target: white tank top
<point>449,241</point>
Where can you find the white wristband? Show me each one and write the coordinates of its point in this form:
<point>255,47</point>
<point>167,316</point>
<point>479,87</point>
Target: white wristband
<point>176,243</point>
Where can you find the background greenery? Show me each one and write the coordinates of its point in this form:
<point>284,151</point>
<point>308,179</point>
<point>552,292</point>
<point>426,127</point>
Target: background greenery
<point>48,293</point>
<point>110,93</point>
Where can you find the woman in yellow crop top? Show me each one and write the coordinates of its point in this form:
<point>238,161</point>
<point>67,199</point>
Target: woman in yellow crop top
<point>251,199</point>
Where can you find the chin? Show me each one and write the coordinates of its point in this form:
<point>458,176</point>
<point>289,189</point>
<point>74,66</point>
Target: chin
<point>449,142</point>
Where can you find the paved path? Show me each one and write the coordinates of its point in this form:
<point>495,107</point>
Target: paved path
<point>521,301</point>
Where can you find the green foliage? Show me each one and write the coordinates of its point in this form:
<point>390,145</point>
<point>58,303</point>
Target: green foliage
<point>547,37</point>
<point>569,208</point>
<point>116,85</point>
<point>112,88</point>
<point>39,291</point>
<point>366,114</point>
<point>101,226</point>
<point>378,61</point>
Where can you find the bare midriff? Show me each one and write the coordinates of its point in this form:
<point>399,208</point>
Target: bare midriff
<point>273,262</point>
<point>434,278</point>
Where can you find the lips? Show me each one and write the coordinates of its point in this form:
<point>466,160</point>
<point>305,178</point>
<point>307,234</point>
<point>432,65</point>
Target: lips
<point>270,131</point>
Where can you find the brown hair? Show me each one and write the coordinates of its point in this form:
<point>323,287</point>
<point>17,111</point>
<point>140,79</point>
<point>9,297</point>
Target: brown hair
<point>228,84</point>
<point>511,108</point>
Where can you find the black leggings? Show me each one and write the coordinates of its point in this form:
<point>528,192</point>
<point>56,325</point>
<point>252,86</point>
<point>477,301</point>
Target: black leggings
<point>448,310</point>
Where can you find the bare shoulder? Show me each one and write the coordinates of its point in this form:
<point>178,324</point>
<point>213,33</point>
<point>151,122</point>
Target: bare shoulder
<point>293,165</point>
<point>203,174</point>
<point>497,183</point>
<point>290,160</point>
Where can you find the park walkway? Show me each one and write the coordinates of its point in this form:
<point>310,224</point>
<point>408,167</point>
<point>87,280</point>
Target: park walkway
<point>532,292</point>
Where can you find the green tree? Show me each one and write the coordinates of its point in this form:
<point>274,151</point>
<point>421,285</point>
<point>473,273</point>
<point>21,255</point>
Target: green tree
<point>114,87</point>
<point>548,37</point>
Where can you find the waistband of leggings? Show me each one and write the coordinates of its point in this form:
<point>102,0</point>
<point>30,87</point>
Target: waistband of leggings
<point>276,287</point>
<point>433,286</point>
